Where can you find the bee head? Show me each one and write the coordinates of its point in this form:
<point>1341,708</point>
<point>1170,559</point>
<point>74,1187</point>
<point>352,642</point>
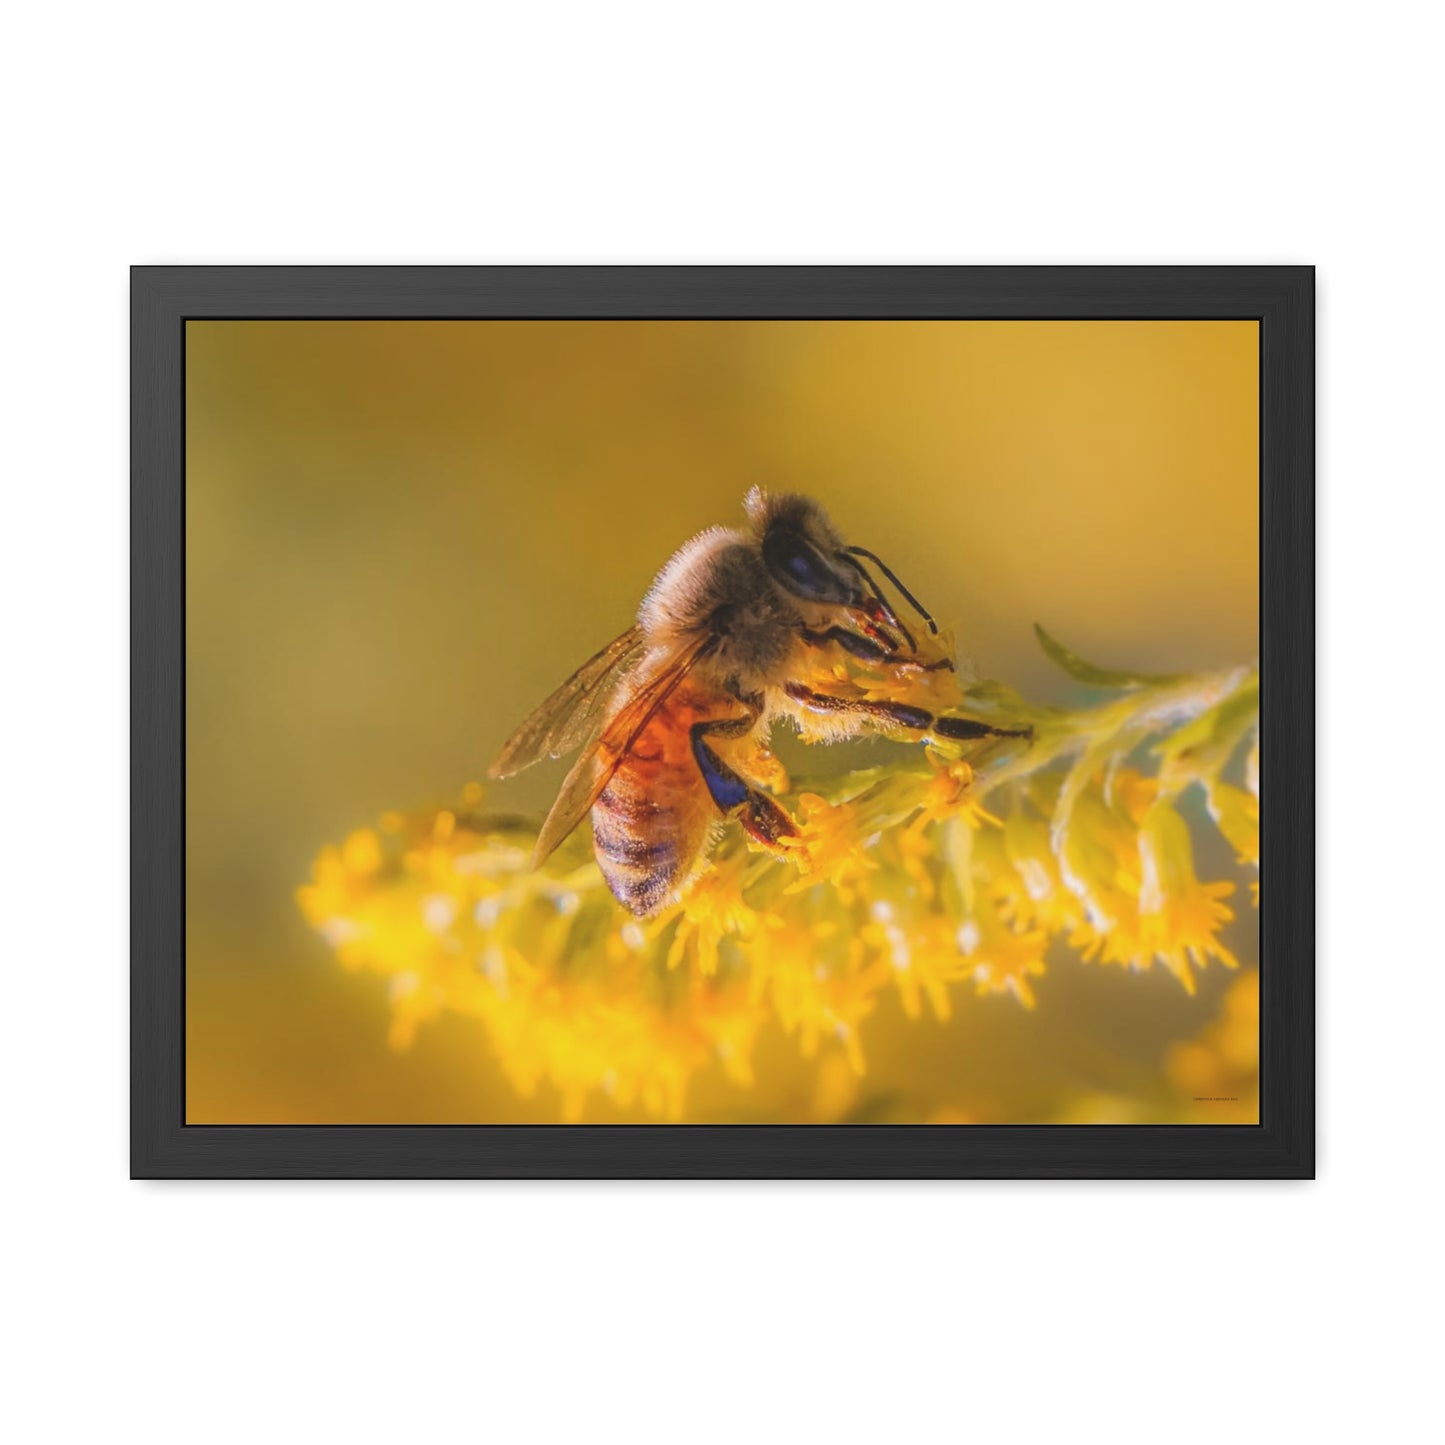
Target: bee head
<point>800,548</point>
<point>806,557</point>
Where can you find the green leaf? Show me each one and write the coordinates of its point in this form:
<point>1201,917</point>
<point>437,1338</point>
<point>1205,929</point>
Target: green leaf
<point>1086,672</point>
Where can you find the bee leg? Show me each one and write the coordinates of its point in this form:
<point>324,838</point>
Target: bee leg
<point>903,715</point>
<point>869,651</point>
<point>962,728</point>
<point>765,821</point>
<point>762,819</point>
<point>860,647</point>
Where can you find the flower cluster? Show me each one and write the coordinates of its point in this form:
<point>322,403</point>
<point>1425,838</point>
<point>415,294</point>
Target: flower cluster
<point>959,866</point>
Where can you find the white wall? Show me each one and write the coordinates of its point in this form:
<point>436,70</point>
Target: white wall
<point>752,132</point>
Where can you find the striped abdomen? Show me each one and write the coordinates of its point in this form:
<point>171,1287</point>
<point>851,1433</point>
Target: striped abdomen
<point>651,823</point>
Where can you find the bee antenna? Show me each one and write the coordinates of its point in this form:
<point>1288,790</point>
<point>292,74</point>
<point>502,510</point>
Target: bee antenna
<point>877,592</point>
<point>892,576</point>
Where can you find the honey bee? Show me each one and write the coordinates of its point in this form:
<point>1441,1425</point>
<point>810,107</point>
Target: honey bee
<point>742,628</point>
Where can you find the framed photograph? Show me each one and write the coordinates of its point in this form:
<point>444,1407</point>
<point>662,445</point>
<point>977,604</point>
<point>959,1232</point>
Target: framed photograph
<point>723,722</point>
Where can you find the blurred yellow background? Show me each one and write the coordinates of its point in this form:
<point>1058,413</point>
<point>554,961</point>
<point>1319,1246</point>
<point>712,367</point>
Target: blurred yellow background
<point>402,535</point>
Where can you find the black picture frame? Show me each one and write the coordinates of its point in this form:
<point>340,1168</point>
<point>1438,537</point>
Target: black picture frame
<point>163,1145</point>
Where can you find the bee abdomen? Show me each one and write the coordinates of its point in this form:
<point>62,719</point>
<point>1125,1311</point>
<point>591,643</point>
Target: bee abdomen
<point>644,847</point>
<point>639,893</point>
<point>627,849</point>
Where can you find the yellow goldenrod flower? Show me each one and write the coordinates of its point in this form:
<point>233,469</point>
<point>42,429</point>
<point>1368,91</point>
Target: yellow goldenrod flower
<point>922,954</point>
<point>818,1003</point>
<point>711,911</point>
<point>916,853</point>
<point>828,846</point>
<point>961,864</point>
<point>1237,814</point>
<point>1099,860</point>
<point>1026,881</point>
<point>950,794</point>
<point>1003,960</point>
<point>1180,917</point>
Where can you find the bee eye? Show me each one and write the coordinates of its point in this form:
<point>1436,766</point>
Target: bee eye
<point>800,567</point>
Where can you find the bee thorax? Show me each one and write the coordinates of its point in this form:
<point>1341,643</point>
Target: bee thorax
<point>717,584</point>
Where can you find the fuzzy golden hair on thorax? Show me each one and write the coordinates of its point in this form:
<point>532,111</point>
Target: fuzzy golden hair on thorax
<point>792,510</point>
<point>687,591</point>
<point>718,581</point>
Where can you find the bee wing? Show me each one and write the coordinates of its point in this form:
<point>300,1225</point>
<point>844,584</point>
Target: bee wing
<point>594,769</point>
<point>571,714</point>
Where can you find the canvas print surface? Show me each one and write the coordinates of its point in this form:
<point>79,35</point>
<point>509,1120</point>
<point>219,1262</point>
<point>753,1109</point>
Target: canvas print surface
<point>722,722</point>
